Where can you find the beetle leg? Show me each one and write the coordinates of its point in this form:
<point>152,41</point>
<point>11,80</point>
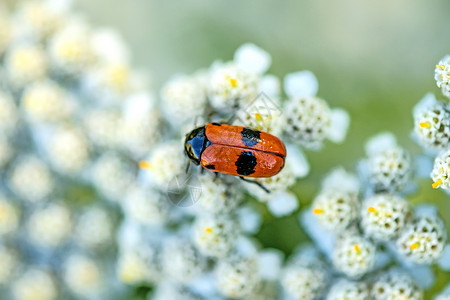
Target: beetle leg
<point>255,182</point>
<point>187,166</point>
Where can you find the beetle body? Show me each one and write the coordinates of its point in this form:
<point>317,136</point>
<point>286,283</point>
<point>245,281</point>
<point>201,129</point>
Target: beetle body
<point>235,150</point>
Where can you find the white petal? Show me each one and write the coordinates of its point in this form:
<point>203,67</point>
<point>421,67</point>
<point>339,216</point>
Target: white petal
<point>270,85</point>
<point>303,83</point>
<point>342,180</point>
<point>252,58</point>
<point>423,276</point>
<point>322,238</point>
<point>297,160</point>
<point>270,261</point>
<point>282,203</point>
<point>427,101</point>
<point>380,142</point>
<point>249,219</point>
<point>245,247</point>
<point>444,261</point>
<point>60,5</point>
<point>340,121</point>
<point>109,46</point>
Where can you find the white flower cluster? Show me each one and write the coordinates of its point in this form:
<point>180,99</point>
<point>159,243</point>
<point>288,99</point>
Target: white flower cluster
<point>442,75</point>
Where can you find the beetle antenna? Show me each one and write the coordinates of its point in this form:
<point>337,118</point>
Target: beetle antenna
<point>187,166</point>
<point>255,182</point>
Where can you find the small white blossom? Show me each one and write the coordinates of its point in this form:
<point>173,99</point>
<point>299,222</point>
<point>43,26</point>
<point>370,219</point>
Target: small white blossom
<point>301,84</point>
<point>31,179</point>
<point>252,58</point>
<point>216,196</point>
<point>237,276</point>
<point>146,206</point>
<point>384,216</point>
<point>354,255</point>
<point>395,285</point>
<point>308,121</point>
<point>68,150</point>
<point>183,98</point>
<point>442,75</point>
<point>231,86</point>
<point>25,63</point>
<point>46,101</point>
<point>70,48</point>
<point>181,261</point>
<point>423,240</point>
<point>441,170</point>
<point>103,127</point>
<point>50,226</point>
<point>112,175</point>
<point>82,275</point>
<point>173,291</point>
<point>35,284</point>
<point>215,235</point>
<point>344,289</point>
<point>94,228</point>
<point>432,122</point>
<point>139,264</point>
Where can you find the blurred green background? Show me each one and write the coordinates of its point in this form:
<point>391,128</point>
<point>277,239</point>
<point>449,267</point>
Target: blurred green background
<point>374,58</point>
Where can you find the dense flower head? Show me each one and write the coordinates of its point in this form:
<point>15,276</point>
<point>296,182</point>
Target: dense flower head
<point>345,289</point>
<point>36,284</point>
<point>442,75</point>
<point>82,275</point>
<point>10,264</point>
<point>432,123</point>
<point>354,255</point>
<point>384,216</point>
<point>395,285</point>
<point>441,170</point>
<point>423,240</point>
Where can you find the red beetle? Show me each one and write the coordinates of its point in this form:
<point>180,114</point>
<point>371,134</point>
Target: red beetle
<point>235,150</point>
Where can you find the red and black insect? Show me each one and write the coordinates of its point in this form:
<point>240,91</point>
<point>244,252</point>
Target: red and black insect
<point>235,150</point>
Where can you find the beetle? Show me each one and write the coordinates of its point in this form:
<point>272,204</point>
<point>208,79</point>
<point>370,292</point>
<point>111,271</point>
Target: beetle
<point>235,150</point>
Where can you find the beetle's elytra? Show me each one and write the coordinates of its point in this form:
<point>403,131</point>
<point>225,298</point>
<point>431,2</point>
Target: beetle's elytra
<point>235,150</point>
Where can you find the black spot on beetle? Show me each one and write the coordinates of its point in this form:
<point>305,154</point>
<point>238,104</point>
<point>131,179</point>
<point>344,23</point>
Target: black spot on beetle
<point>210,167</point>
<point>250,137</point>
<point>216,124</point>
<point>246,163</point>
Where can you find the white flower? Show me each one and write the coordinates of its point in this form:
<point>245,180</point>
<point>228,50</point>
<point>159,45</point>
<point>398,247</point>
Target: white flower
<point>112,175</point>
<point>139,126</point>
<point>182,99</point>
<point>344,289</point>
<point>395,285</point>
<point>139,264</point>
<point>304,279</point>
<point>282,204</point>
<point>302,84</point>
<point>82,275</point>
<point>423,240</point>
<point>9,216</point>
<point>94,229</point>
<point>181,261</point>
<point>46,101</point>
<point>237,276</point>
<point>335,209</point>
<point>70,48</point>
<point>389,169</point>
<point>441,170</point>
<point>31,179</point>
<point>432,123</point>
<point>442,75</point>
<point>384,216</point>
<point>252,58</point>
<point>146,206</point>
<point>354,255</point>
<point>25,63</point>
<point>50,226</point>
<point>35,284</point>
<point>231,87</point>
<point>68,150</point>
<point>308,121</point>
<point>173,291</point>
<point>109,46</point>
<point>103,127</point>
<point>215,235</point>
<point>165,163</point>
